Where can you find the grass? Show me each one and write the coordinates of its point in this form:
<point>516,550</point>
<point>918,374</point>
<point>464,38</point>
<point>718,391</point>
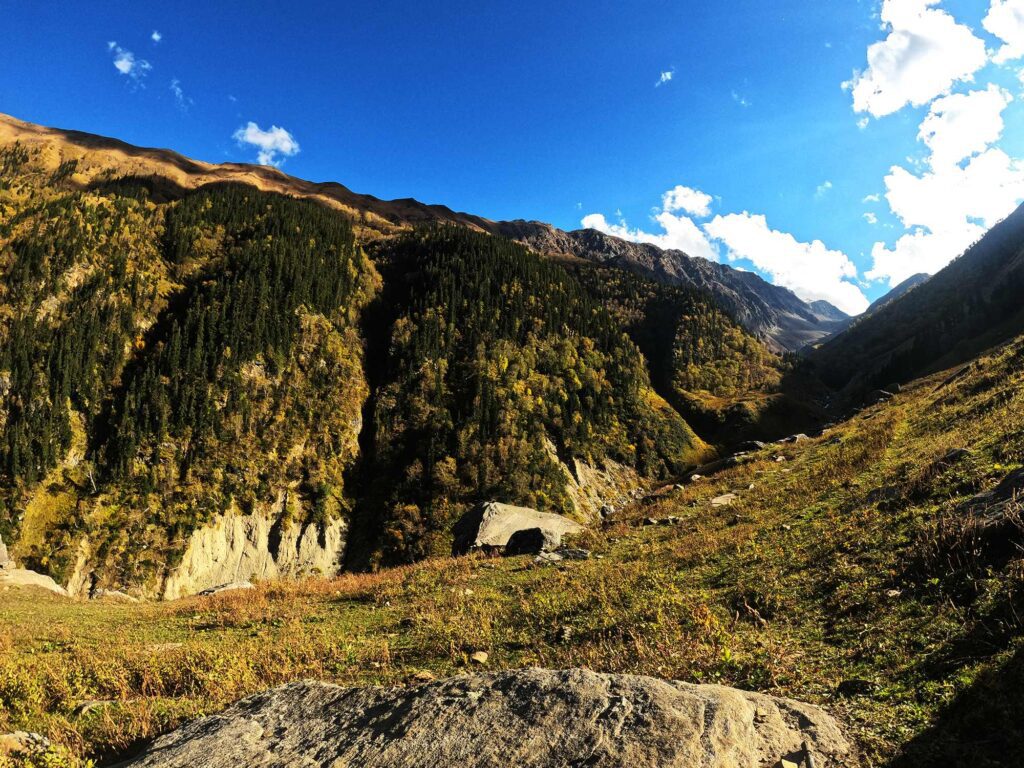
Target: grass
<point>841,576</point>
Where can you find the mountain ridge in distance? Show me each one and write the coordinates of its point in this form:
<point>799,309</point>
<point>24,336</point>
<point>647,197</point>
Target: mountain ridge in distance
<point>773,313</point>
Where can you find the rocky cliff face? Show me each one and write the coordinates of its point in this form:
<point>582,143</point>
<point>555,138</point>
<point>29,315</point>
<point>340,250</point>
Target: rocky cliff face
<point>530,718</point>
<point>776,315</point>
<point>263,546</point>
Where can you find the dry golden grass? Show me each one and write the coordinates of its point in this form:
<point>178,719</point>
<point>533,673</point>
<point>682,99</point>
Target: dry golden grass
<point>811,585</point>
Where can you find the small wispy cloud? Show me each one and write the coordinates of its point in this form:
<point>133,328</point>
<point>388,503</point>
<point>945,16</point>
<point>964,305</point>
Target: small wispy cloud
<point>822,190</point>
<point>741,100</point>
<point>183,101</point>
<point>126,63</point>
<point>870,218</point>
<point>875,198</point>
<point>665,77</point>
<point>274,144</point>
<point>156,37</point>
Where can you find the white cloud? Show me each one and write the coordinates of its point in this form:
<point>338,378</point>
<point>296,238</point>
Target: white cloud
<point>875,198</point>
<point>665,77</point>
<point>945,211</point>
<point>870,218</point>
<point>1005,20</point>
<point>126,63</point>
<point>183,101</point>
<point>925,53</point>
<point>156,37</point>
<point>741,100</point>
<point>963,124</point>
<point>822,190</point>
<point>270,143</point>
<point>680,233</point>
<point>693,201</point>
<point>811,270</point>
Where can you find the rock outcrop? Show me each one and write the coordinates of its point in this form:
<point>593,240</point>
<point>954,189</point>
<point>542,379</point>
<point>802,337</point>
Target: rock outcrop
<point>20,577</point>
<point>528,718</point>
<point>262,547</point>
<point>5,560</point>
<point>490,527</point>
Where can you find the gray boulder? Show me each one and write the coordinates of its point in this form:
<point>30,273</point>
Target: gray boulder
<point>490,526</point>
<point>529,718</point>
<point>22,578</point>
<point>231,586</point>
<point>5,560</point>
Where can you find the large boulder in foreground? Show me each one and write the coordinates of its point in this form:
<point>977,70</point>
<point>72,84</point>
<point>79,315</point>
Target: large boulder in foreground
<point>491,525</point>
<point>530,718</point>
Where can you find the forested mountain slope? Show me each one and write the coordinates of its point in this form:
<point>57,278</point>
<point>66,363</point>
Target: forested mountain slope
<point>966,308</point>
<point>773,314</point>
<point>168,359</point>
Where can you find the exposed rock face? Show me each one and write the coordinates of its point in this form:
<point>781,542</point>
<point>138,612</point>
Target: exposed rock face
<point>19,577</point>
<point>491,525</point>
<point>771,312</point>
<point>5,560</point>
<point>529,718</point>
<point>238,548</point>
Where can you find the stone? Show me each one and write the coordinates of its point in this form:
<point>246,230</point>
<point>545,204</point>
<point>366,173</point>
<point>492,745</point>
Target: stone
<point>529,718</point>
<point>231,586</point>
<point>780,459</point>
<point>479,657</point>
<point>798,438</point>
<point>5,560</point>
<point>607,510</point>
<point>21,577</point>
<point>424,676</point>
<point>725,500</point>
<point>22,744</point>
<point>991,506</point>
<point>489,527</point>
<point>574,554</point>
<point>531,541</point>
<point>696,478</point>
<point>548,558</point>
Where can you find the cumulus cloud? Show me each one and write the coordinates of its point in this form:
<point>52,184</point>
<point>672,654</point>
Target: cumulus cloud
<point>693,201</point>
<point>811,270</point>
<point>925,53</point>
<point>665,77</point>
<point>156,37</point>
<point>1005,20</point>
<point>681,233</point>
<point>126,63</point>
<point>963,124</point>
<point>945,211</point>
<point>273,144</point>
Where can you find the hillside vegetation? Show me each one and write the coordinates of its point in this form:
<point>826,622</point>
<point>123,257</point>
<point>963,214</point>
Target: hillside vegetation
<point>171,358</point>
<point>848,574</point>
<point>966,308</point>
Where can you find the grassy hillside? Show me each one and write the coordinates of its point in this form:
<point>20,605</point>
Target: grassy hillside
<point>843,575</point>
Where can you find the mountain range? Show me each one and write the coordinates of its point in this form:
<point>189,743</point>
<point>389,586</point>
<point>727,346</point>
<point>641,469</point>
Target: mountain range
<point>214,371</point>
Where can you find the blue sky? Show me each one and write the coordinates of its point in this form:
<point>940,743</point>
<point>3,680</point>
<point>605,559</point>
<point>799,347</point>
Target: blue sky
<point>584,111</point>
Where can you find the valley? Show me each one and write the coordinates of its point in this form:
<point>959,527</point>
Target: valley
<point>247,418</point>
